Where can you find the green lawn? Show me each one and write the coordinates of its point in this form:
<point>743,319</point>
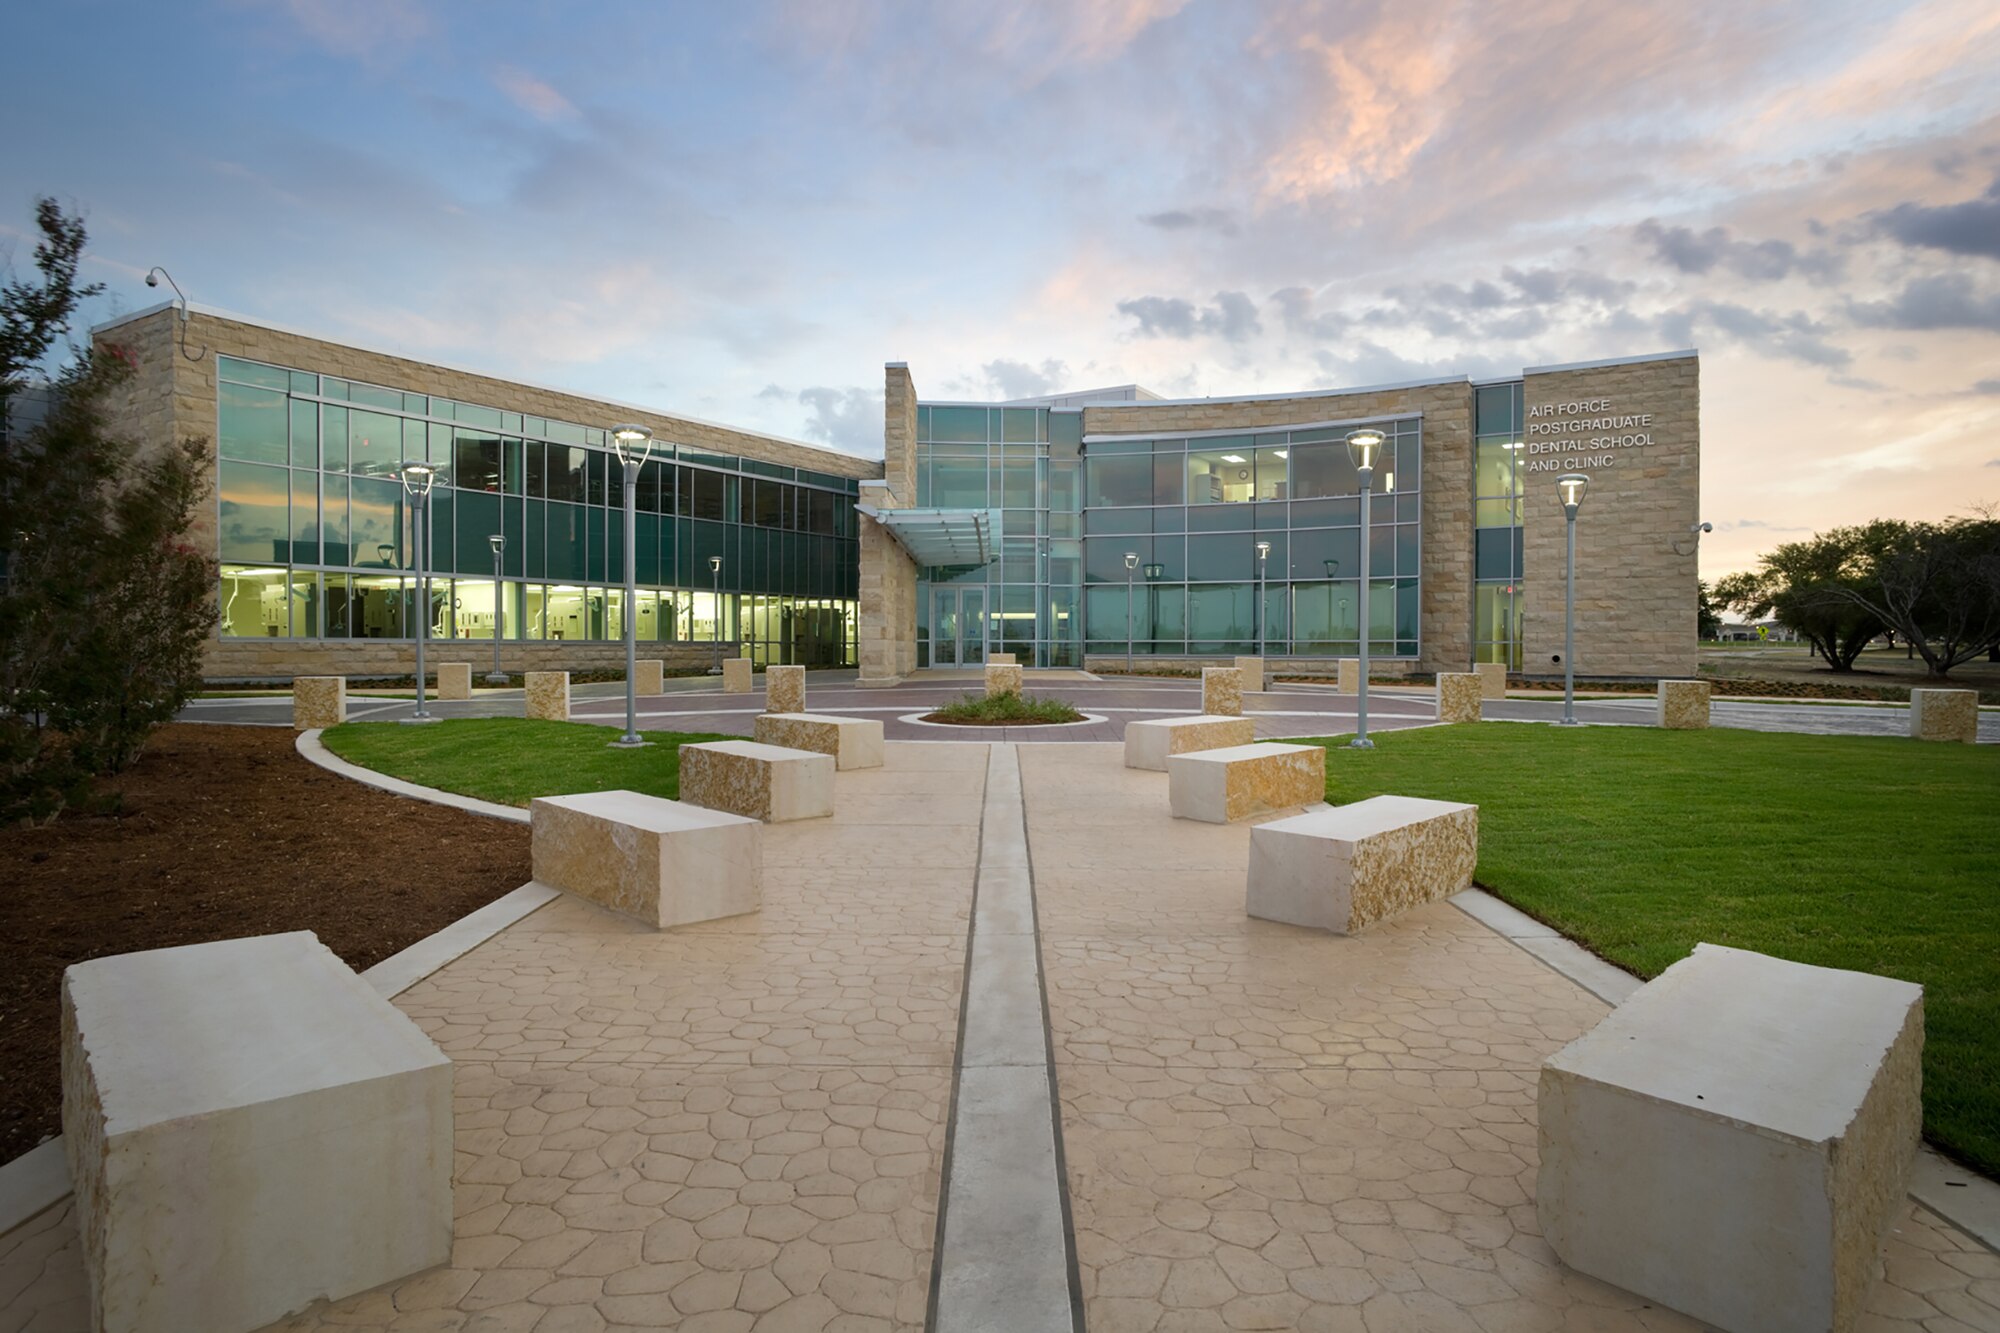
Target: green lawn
<point>512,760</point>
<point>1874,854</point>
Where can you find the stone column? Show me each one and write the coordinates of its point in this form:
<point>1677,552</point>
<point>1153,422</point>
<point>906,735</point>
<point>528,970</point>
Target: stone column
<point>545,695</point>
<point>1221,692</point>
<point>1458,696</point>
<point>454,680</point>
<point>1683,705</point>
<point>318,701</point>
<point>785,689</point>
<point>1944,715</point>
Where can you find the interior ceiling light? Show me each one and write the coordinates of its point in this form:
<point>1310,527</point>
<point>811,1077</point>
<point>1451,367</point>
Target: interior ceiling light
<point>1234,458</point>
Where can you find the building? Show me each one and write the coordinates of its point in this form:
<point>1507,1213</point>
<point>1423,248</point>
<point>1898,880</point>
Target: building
<point>311,526</point>
<point>1075,530</point>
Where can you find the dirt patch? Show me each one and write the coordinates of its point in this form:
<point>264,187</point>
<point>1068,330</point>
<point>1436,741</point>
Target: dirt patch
<point>223,832</point>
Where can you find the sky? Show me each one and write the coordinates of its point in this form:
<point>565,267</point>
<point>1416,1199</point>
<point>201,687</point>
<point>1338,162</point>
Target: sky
<point>741,211</point>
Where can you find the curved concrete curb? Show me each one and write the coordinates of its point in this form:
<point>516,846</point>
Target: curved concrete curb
<point>917,720</point>
<point>310,746</point>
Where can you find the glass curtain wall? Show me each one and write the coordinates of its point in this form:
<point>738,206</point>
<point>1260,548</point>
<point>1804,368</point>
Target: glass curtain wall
<point>1496,555</point>
<point>1190,513</point>
<point>314,540</point>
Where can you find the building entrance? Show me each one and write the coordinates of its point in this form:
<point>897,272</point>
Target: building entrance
<point>958,627</point>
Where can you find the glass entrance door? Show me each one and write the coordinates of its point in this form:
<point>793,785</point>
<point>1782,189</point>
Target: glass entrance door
<point>958,627</point>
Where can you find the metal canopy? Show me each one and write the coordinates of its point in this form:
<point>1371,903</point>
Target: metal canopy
<point>939,536</point>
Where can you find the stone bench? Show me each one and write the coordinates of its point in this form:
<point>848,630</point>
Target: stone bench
<point>1354,865</point>
<point>736,675</point>
<point>1149,743</point>
<point>545,695</point>
<point>1945,715</point>
<point>1221,786</point>
<point>1734,1139</point>
<point>318,701</point>
<point>454,680</point>
<point>852,741</point>
<point>1459,694</point>
<point>250,1128</point>
<point>1682,705</point>
<point>768,782</point>
<point>663,863</point>
<point>1492,679</point>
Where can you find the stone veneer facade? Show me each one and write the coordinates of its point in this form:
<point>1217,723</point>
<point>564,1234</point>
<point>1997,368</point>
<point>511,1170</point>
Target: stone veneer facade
<point>170,397</point>
<point>1635,547</point>
<point>888,603</point>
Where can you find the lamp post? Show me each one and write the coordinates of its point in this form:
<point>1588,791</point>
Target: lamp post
<point>1153,572</point>
<point>632,444</point>
<point>1131,564</point>
<point>417,481</point>
<point>1261,620</point>
<point>496,676</point>
<point>1362,447</point>
<point>1570,490</point>
<point>715,609</point>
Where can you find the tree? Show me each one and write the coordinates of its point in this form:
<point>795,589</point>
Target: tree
<point>1936,584</point>
<point>1801,583</point>
<point>105,608</point>
<point>1707,612</point>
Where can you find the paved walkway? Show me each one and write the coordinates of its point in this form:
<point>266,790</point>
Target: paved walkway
<point>746,1125</point>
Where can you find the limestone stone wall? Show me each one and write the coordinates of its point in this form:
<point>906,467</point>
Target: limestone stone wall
<point>1446,612</point>
<point>886,614</point>
<point>1635,555</point>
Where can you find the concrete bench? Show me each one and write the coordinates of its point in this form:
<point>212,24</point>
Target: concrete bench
<point>768,782</point>
<point>545,695</point>
<point>736,675</point>
<point>852,741</point>
<point>1221,692</point>
<point>663,863</point>
<point>1002,678</point>
<point>250,1128</point>
<point>1459,694</point>
<point>454,680</point>
<point>1221,786</point>
<point>1354,865</point>
<point>1945,715</point>
<point>1734,1139</point>
<point>318,701</point>
<point>784,689</point>
<point>1682,705</point>
<point>1151,742</point>
<point>1492,679</point>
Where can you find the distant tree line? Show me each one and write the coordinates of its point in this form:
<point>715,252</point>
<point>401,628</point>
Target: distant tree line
<point>1936,586</point>
<point>104,605</point>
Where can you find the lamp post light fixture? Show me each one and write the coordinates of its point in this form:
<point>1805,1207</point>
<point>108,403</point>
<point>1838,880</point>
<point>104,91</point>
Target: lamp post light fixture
<point>1363,446</point>
<point>632,444</point>
<point>1261,619</point>
<point>496,676</point>
<point>1131,565</point>
<point>715,609</point>
<point>418,479</point>
<point>1570,490</point>
<point>1153,572</point>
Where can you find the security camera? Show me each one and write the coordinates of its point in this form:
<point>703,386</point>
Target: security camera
<point>152,279</point>
<point>1702,527</point>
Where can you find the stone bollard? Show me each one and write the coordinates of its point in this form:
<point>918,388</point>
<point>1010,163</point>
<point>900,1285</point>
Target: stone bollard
<point>1350,676</point>
<point>736,675</point>
<point>1492,679</point>
<point>785,689</point>
<point>1458,696</point>
<point>546,695</point>
<point>1002,678</point>
<point>454,680</point>
<point>1221,692</point>
<point>650,676</point>
<point>1003,659</point>
<point>1253,674</point>
<point>318,701</point>
<point>1944,715</point>
<point>1683,705</point>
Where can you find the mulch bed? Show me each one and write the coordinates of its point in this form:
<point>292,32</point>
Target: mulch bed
<point>222,832</point>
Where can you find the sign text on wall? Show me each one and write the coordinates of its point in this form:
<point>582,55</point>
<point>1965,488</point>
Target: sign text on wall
<point>1582,434</point>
